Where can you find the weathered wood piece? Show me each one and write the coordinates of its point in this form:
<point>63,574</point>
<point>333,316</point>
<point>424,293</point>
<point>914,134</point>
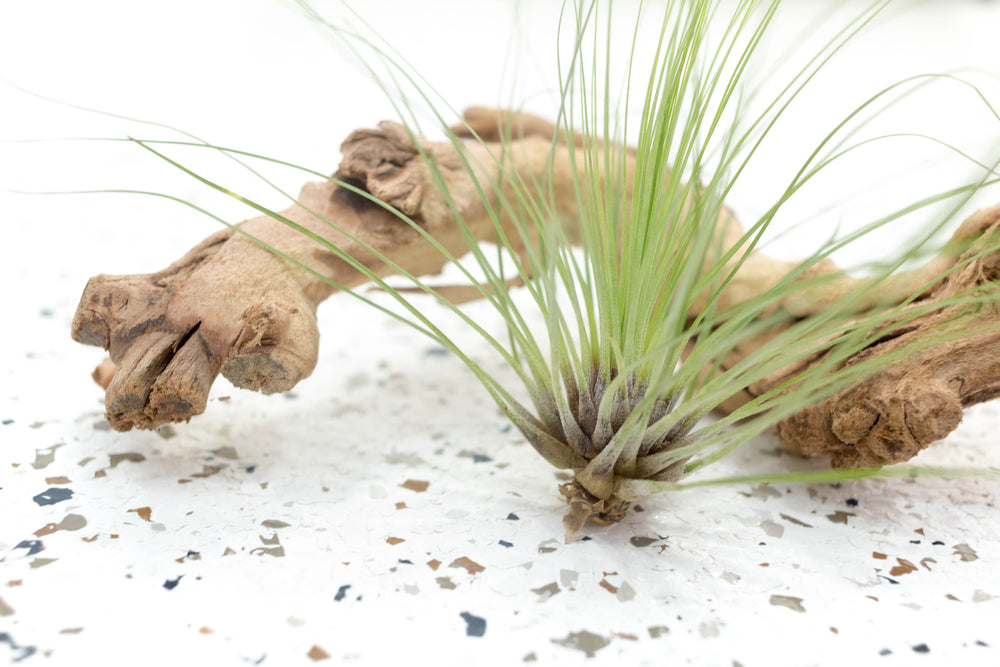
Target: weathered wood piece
<point>231,307</point>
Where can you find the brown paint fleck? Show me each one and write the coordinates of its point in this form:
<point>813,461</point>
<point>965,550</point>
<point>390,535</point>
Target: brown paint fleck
<point>145,513</point>
<point>471,566</point>
<point>952,597</point>
<point>90,539</point>
<point>434,564</point>
<point>872,597</point>
<point>840,517</point>
<point>401,505</point>
<point>57,480</point>
<point>793,520</point>
<point>904,567</point>
<point>70,522</point>
<point>100,473</point>
<point>47,529</point>
<point>925,561</point>
<point>14,583</point>
<point>394,540</point>
<point>625,635</point>
<point>316,653</point>
<point>415,485</point>
<point>205,630</point>
<point>763,565</point>
<point>606,585</point>
<point>878,555</point>
<point>919,531</point>
<point>208,471</point>
<point>834,630</point>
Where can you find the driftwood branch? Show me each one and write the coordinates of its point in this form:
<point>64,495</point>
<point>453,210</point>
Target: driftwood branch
<point>232,307</point>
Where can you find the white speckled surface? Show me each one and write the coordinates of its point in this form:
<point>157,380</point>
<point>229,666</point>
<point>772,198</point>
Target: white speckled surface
<point>296,530</point>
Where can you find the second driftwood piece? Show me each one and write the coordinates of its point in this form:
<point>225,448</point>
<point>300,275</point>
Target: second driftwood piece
<point>231,306</point>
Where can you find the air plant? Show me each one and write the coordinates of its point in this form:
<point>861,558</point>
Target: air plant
<point>655,311</point>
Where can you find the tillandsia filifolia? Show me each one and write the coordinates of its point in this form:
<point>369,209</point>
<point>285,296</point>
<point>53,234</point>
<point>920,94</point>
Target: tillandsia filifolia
<point>609,226</point>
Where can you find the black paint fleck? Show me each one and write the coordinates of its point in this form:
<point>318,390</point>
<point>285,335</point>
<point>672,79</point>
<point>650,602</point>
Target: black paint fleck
<point>8,422</point>
<point>921,648</point>
<point>505,543</point>
<point>980,642</point>
<point>250,469</point>
<point>18,652</point>
<point>513,517</point>
<point>171,584</point>
<point>938,543</point>
<point>914,541</point>
<point>852,502</point>
<point>885,652</point>
<point>475,626</point>
<point>33,546</point>
<point>53,496</point>
<point>891,581</point>
<point>341,593</point>
<point>404,561</point>
<point>435,352</point>
<point>481,458</point>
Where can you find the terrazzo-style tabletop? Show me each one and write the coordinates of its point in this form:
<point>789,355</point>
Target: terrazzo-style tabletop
<point>384,512</point>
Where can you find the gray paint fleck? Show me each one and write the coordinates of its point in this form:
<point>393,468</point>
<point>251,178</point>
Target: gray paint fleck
<point>965,552</point>
<point>547,591</point>
<point>625,592</point>
<point>585,641</point>
<point>5,609</point>
<point>475,626</point>
<point>772,529</point>
<point>793,603</point>
<point>43,457</point>
<point>71,522</point>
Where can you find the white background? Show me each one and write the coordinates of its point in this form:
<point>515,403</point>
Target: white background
<point>383,407</point>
